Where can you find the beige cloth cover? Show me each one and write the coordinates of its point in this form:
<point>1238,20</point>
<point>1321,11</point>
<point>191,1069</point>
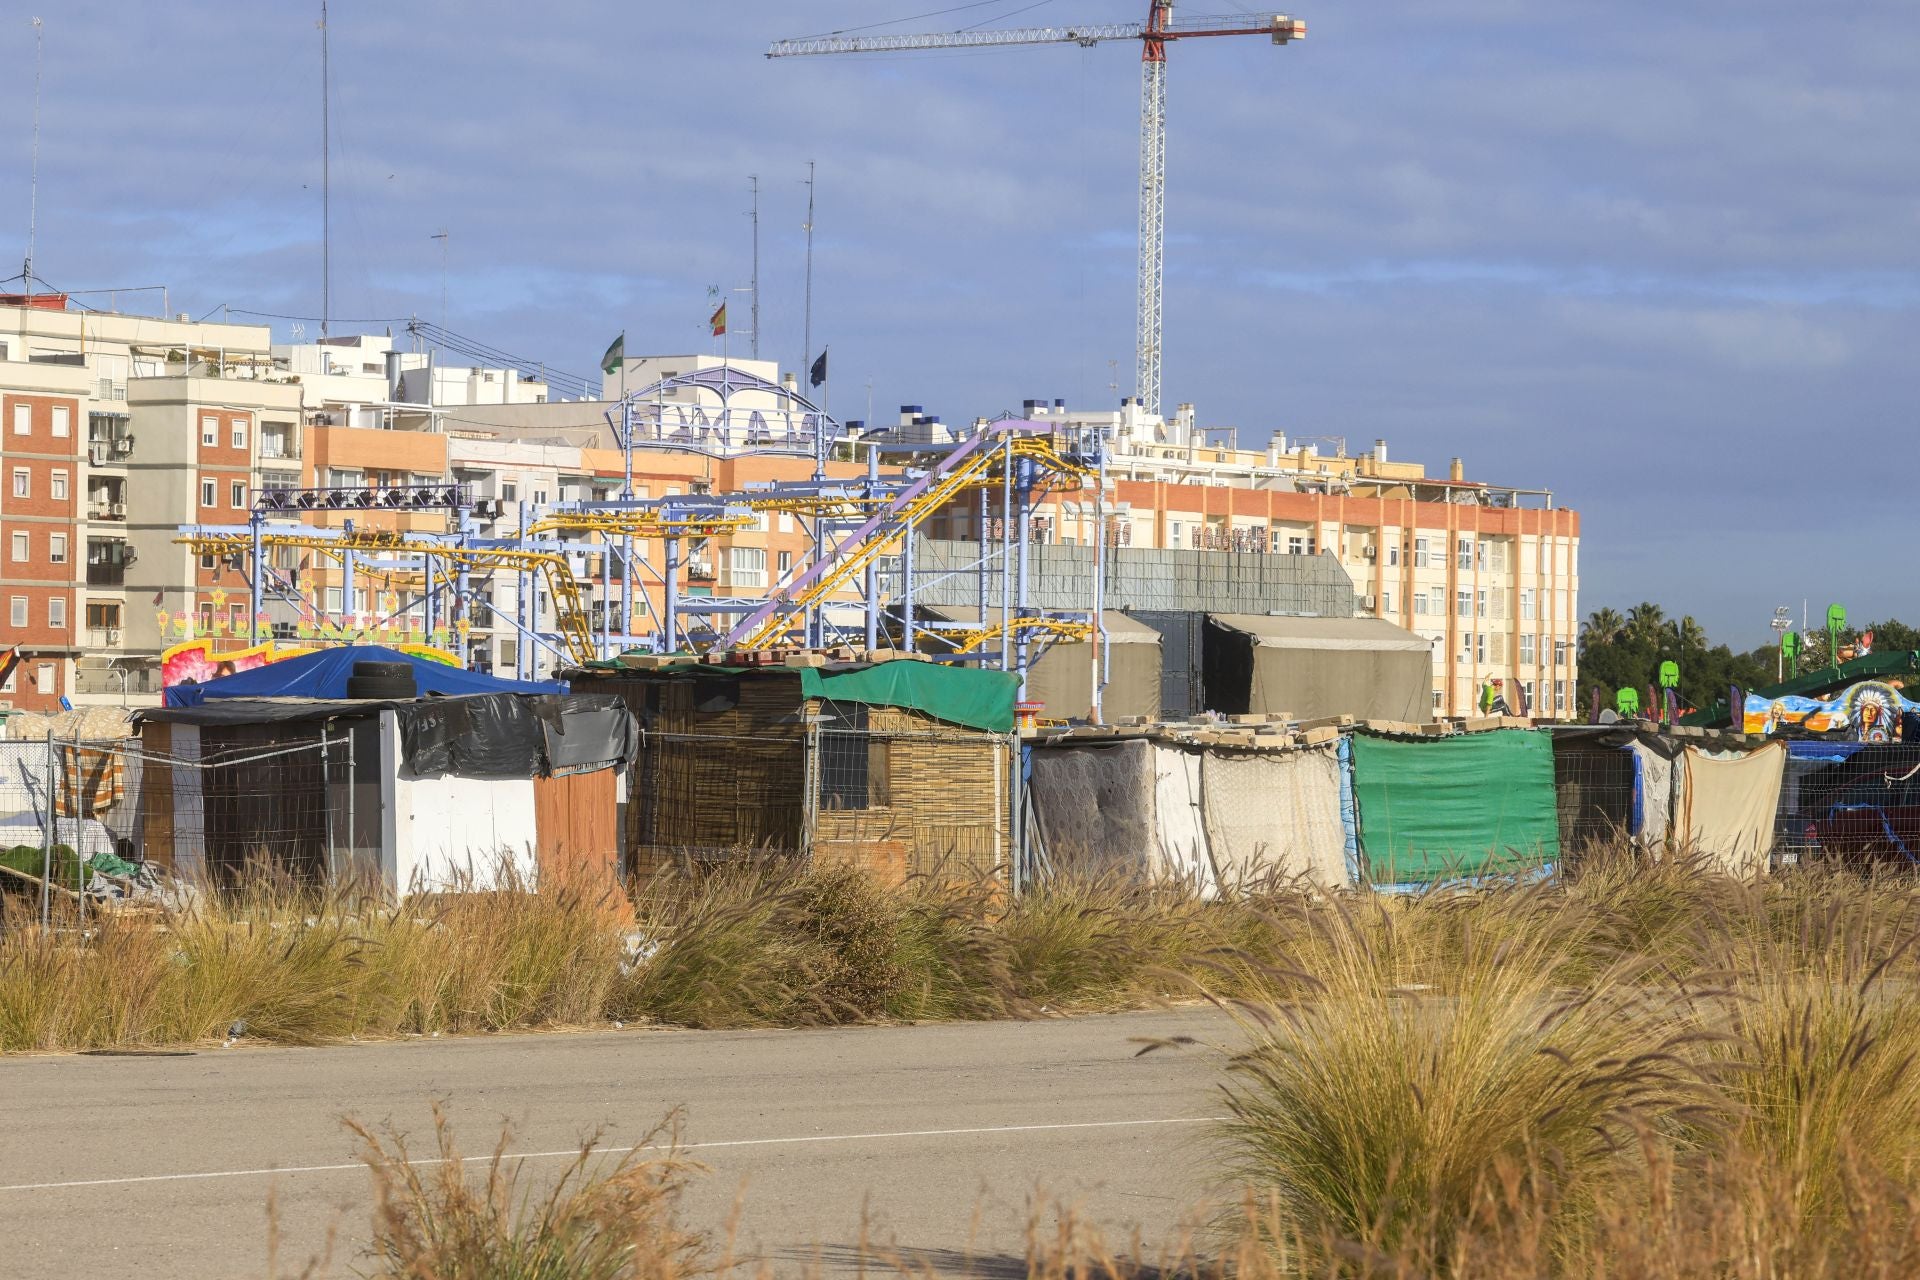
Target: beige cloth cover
<point>1726,811</point>
<point>1275,815</point>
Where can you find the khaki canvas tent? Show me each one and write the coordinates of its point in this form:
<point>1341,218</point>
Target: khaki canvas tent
<point>1062,679</point>
<point>1363,667</point>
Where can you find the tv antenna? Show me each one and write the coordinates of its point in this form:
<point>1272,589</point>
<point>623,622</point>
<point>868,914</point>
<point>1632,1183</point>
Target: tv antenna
<point>33,184</point>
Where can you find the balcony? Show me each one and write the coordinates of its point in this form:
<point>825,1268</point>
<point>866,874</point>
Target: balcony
<point>107,500</point>
<point>107,561</point>
<point>278,443</point>
<point>124,681</point>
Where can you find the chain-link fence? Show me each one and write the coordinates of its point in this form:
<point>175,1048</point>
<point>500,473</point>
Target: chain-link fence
<point>89,821</point>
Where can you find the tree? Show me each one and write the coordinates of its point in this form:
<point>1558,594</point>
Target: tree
<point>1646,620</point>
<point>1604,623</point>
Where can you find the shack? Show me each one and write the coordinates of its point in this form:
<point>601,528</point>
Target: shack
<point>1062,680</point>
<point>1311,667</point>
<point>903,767</point>
<point>422,794</point>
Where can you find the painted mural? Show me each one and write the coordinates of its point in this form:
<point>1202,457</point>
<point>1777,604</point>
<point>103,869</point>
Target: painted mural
<point>1866,712</point>
<point>199,660</point>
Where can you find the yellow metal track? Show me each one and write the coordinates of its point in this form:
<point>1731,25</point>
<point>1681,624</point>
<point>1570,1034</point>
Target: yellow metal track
<point>974,473</point>
<point>1066,630</point>
<point>570,614</point>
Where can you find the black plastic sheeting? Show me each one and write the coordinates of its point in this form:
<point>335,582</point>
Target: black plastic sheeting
<point>487,736</point>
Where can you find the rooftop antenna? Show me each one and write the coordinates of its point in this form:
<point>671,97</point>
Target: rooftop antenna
<point>326,180</point>
<point>806,335</point>
<point>754,180</point>
<point>33,185</point>
<point>442,237</point>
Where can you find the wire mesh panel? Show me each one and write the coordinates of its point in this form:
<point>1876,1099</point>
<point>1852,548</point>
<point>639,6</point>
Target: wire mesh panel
<point>1859,807</point>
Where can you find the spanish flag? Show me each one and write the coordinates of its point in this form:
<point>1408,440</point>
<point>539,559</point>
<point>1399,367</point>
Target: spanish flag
<point>718,320</point>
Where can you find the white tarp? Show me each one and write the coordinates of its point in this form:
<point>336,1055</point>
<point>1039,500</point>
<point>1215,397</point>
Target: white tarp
<point>1727,811</point>
<point>1275,815</point>
<point>1656,796</point>
<point>1179,823</point>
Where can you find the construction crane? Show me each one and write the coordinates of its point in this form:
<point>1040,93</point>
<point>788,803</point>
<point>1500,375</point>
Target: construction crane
<point>1155,34</point>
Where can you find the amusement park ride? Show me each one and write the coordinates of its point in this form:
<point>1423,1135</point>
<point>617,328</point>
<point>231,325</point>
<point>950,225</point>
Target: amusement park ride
<point>857,525</point>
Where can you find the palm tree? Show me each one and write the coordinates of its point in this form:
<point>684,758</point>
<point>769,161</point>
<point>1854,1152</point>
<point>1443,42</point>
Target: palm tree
<point>1645,620</point>
<point>1602,625</point>
<point>1690,635</point>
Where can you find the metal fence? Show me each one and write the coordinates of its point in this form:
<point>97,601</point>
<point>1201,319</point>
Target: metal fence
<point>85,821</point>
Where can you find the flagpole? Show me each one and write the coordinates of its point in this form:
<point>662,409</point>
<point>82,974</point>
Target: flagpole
<point>806,329</point>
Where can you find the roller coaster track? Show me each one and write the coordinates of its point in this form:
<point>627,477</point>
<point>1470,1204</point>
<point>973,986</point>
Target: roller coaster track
<point>969,465</point>
<point>571,620</point>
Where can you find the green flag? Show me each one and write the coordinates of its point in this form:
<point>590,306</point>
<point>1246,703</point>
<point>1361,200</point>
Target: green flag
<point>616,355</point>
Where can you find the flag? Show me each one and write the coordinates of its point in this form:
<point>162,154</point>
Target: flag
<point>616,354</point>
<point>159,596</point>
<point>9,663</point>
<point>718,320</point>
<point>818,374</point>
<point>1864,645</point>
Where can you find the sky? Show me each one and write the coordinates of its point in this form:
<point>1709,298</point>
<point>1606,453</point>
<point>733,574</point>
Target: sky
<point>1662,259</point>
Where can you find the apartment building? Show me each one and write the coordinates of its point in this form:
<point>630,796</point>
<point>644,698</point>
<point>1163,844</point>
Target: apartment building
<point>1489,573</point>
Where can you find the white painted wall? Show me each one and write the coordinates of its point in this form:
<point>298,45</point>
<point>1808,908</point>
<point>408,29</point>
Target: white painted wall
<point>451,832</point>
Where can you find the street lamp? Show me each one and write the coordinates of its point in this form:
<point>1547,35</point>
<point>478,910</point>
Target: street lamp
<point>1781,624</point>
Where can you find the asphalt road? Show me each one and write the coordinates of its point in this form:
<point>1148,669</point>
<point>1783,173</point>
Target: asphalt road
<point>936,1138</point>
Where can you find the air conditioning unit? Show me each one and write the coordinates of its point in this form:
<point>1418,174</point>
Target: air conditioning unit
<point>120,509</point>
<point>1372,553</point>
<point>122,446</point>
<point>113,638</point>
<point>97,452</point>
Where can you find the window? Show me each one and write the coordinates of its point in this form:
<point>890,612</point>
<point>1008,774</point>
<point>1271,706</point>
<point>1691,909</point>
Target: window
<point>1419,602</point>
<point>539,497</point>
<point>206,562</point>
<point>1526,604</point>
<point>43,677</point>
<point>1386,602</point>
<point>1559,653</point>
<point>209,431</point>
<point>57,612</point>
<point>1463,603</point>
<point>1526,648</point>
<point>239,433</point>
<point>20,546</point>
<point>1466,646</point>
<point>1420,557</point>
<point>57,548</point>
<point>237,617</point>
<point>1463,557</point>
<point>749,567</point>
<point>237,493</point>
<point>1559,695</point>
<point>1176,535</point>
<point>853,765</point>
<point>786,564</point>
<point>59,486</point>
<point>102,614</point>
<point>19,616</point>
<point>23,423</point>
<point>1436,699</point>
<point>1528,686</point>
<point>62,421</point>
<point>1297,545</point>
<point>334,600</point>
<point>1480,646</point>
<point>1481,556</point>
<point>208,494</point>
<point>1480,603</point>
<point>509,491</point>
<point>1393,555</point>
<point>22,483</point>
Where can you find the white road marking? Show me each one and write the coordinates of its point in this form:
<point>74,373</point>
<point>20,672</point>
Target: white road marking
<point>571,1152</point>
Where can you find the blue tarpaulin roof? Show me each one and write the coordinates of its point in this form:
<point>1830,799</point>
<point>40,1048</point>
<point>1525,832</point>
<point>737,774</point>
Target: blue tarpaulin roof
<point>324,675</point>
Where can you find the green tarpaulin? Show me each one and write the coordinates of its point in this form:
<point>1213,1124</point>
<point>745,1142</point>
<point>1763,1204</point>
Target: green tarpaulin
<point>966,696</point>
<point>1439,808</point>
<point>958,695</point>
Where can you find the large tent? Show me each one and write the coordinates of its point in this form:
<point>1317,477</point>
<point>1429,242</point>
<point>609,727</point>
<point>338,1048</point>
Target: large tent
<point>1310,667</point>
<point>324,674</point>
